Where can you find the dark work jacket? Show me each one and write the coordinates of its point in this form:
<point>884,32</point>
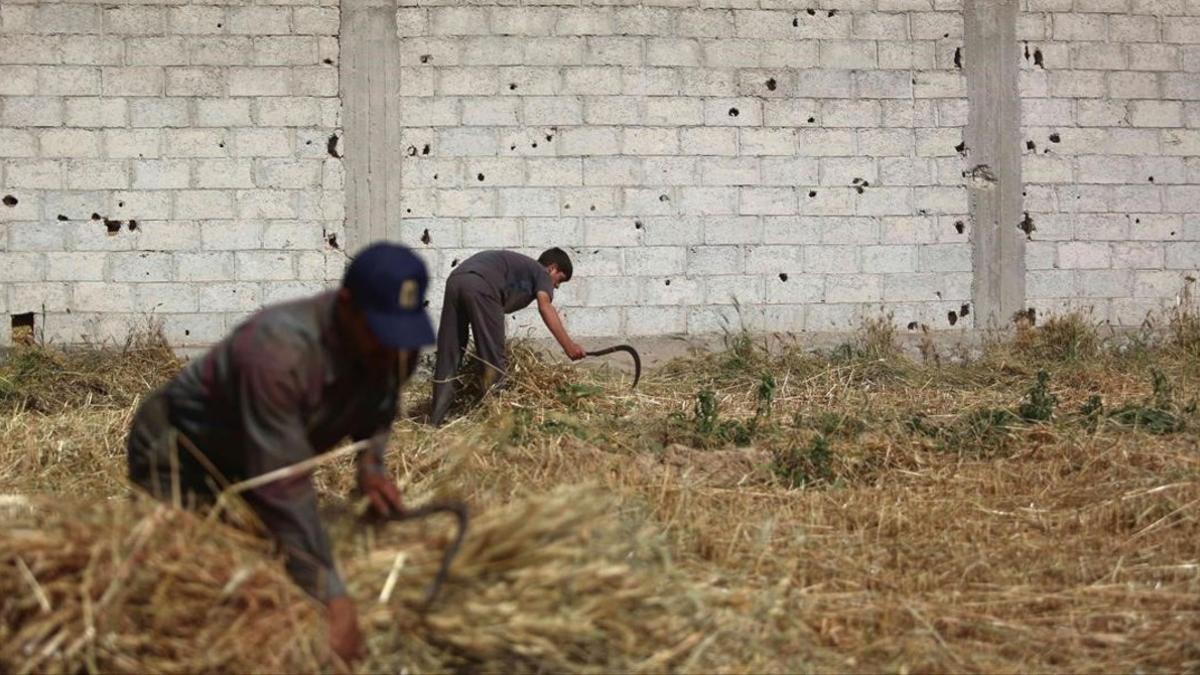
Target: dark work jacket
<point>278,390</point>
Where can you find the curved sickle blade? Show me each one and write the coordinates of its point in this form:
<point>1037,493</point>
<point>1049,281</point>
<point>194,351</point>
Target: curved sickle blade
<point>637,359</point>
<point>459,511</point>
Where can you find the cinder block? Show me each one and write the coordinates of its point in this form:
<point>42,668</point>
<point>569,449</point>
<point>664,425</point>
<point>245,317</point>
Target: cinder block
<point>264,266</point>
<point>204,204</point>
<point>140,266</point>
<point>85,174</point>
<point>134,20</point>
<point>847,55</point>
<point>32,111</point>
<point>589,141</point>
<point>767,201</point>
<point>70,143</point>
<point>160,174</point>
<point>853,288</point>
<point>289,112</point>
<point>1084,255</point>
<point>642,141</point>
<point>92,296</point>
<point>158,112</point>
<point>259,20</point>
<point>195,143</point>
<point>673,52</point>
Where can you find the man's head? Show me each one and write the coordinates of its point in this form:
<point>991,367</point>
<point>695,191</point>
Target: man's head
<point>381,305</point>
<point>557,264</point>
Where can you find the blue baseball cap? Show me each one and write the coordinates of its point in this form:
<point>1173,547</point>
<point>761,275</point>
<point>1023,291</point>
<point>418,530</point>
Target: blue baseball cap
<point>388,283</point>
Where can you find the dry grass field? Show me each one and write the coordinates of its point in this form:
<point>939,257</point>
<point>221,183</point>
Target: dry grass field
<point>1035,507</point>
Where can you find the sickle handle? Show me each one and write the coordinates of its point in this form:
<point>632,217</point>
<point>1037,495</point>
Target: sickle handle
<point>637,359</point>
<point>459,511</point>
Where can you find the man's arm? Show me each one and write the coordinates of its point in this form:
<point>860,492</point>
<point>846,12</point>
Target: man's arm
<point>270,392</point>
<point>554,323</point>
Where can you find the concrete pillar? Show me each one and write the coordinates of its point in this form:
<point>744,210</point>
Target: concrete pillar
<point>993,151</point>
<point>370,89</point>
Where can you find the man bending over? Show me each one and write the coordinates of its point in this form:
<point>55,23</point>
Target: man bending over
<point>479,292</point>
<point>288,384</point>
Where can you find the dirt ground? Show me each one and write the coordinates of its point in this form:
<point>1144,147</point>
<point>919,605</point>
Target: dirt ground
<point>1032,504</point>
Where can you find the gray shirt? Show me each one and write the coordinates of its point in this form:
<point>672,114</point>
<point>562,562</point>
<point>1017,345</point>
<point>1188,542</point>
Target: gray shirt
<point>517,278</point>
<point>278,390</point>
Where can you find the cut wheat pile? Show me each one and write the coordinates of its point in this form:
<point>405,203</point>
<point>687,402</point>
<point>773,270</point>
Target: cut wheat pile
<point>539,585</point>
<point>1034,507</point>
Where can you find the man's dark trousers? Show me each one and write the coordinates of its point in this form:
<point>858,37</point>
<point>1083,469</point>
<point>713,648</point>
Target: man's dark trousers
<point>470,301</point>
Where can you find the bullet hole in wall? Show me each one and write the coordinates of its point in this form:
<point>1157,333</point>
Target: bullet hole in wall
<point>425,149</point>
<point>1030,145</point>
<point>832,13</point>
<point>1026,51</point>
<point>958,57</point>
<point>112,226</point>
<point>454,263</point>
<point>733,112</point>
<point>1028,315</point>
<point>120,205</point>
<point>771,84</point>
<point>812,193</point>
<point>952,317</point>
<point>912,325</point>
<point>426,58</point>
<point>331,147</point>
<point>1027,226</point>
<point>132,226</point>
<point>411,151</point>
<point>1151,179</point>
<point>425,238</point>
<point>664,198</point>
<point>328,62</point>
<point>795,23</point>
<point>424,304</point>
<point>783,276</point>
<point>95,216</point>
<point>221,144</point>
<point>332,241</point>
<point>812,120</point>
<point>480,178</point>
<point>965,310</point>
<point>533,145</point>
<point>1038,60</point>
<point>10,201</point>
<point>592,207</point>
<point>668,282</point>
<point>637,224</point>
<point>959,226</point>
<point>961,148</point>
<point>62,218</point>
<point>1055,138</point>
<point>512,86</point>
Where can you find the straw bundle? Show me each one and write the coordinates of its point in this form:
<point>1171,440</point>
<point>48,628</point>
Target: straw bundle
<point>124,586</point>
<point>545,583</point>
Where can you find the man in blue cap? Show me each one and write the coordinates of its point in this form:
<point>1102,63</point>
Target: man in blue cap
<point>286,385</point>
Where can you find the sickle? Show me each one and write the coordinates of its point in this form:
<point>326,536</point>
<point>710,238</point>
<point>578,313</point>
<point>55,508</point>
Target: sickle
<point>637,360</point>
<point>459,511</point>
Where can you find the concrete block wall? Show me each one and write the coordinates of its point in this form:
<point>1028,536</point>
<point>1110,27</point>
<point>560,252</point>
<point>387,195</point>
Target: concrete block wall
<point>779,164</point>
<point>166,159</point>
<point>1111,110</point>
<point>784,166</point>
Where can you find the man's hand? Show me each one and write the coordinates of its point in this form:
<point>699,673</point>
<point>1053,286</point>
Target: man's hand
<point>574,351</point>
<point>344,637</point>
<point>380,490</point>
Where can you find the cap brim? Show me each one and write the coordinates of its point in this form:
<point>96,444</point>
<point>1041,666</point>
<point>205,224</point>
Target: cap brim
<point>410,330</point>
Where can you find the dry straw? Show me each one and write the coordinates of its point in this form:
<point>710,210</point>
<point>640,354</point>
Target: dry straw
<point>1031,507</point>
